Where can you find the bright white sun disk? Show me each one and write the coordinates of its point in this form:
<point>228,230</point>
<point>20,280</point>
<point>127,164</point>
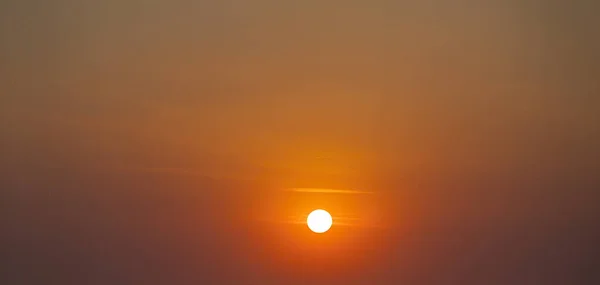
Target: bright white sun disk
<point>319,221</point>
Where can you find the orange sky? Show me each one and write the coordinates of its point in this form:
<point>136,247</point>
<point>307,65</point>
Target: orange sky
<point>452,114</point>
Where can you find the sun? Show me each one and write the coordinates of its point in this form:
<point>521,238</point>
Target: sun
<point>319,221</point>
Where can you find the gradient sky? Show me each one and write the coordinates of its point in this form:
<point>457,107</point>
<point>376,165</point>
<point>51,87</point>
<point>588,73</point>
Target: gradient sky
<point>153,141</point>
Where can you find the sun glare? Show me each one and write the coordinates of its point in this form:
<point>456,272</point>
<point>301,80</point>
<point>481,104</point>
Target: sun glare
<point>319,221</point>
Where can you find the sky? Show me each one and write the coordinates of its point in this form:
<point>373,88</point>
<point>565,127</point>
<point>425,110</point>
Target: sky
<point>160,142</point>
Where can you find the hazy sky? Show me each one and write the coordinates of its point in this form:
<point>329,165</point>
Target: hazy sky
<point>139,138</point>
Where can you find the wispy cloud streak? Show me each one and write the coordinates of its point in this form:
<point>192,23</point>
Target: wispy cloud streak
<point>327,191</point>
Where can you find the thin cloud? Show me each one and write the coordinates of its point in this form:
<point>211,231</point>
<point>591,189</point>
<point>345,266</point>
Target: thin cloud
<point>327,191</point>
<point>168,170</point>
<point>337,221</point>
